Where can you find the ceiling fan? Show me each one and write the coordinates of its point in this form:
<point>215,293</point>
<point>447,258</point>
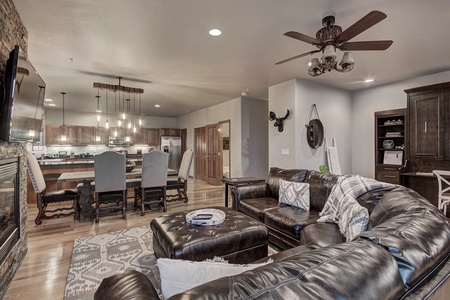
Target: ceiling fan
<point>331,37</point>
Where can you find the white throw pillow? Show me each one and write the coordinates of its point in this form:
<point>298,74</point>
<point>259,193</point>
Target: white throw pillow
<point>178,275</point>
<point>352,218</point>
<point>294,193</point>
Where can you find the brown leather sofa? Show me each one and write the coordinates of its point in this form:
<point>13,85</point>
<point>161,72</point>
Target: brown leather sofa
<point>404,254</point>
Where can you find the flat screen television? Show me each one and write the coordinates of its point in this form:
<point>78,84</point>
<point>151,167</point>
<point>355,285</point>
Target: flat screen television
<point>22,105</point>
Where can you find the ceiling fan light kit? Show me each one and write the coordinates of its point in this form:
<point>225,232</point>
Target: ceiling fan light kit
<point>331,37</point>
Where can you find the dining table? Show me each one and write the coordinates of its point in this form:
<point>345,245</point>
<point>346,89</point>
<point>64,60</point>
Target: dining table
<point>86,198</point>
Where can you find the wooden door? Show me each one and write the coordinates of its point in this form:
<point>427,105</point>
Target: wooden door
<point>200,153</point>
<point>183,135</point>
<point>426,115</point>
<point>213,155</point>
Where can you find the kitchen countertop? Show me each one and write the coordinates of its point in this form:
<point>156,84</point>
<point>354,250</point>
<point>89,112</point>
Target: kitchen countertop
<point>72,161</point>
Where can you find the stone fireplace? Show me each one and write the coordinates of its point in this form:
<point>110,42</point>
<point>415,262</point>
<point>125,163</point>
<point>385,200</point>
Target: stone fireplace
<point>13,211</point>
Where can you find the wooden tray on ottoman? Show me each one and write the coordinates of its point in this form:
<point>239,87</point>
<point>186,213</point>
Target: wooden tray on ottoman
<point>239,239</point>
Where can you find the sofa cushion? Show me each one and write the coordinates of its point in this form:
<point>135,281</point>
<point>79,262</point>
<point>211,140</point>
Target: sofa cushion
<point>352,218</point>
<point>320,186</point>
<point>413,231</point>
<point>320,235</point>
<point>275,174</point>
<point>179,275</point>
<point>335,272</point>
<point>290,220</point>
<point>294,193</point>
<point>255,208</point>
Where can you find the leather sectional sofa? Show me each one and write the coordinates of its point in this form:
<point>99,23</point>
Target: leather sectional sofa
<point>404,253</point>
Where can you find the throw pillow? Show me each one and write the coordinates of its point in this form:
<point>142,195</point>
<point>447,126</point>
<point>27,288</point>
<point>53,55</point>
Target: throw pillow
<point>352,218</point>
<point>294,193</point>
<point>178,275</point>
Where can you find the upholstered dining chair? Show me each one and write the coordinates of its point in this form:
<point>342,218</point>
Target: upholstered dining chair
<point>183,175</point>
<point>444,189</point>
<point>110,182</point>
<point>153,182</point>
<point>44,197</point>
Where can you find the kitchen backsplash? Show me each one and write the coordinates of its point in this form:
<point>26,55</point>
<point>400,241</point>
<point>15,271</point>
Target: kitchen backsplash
<point>87,150</point>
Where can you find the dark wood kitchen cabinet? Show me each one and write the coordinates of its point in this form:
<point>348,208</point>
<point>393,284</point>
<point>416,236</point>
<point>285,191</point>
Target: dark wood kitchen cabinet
<point>53,135</point>
<point>428,116</point>
<point>169,132</point>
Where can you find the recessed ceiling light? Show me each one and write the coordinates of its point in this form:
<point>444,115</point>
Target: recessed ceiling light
<point>215,32</point>
<point>157,105</point>
<point>52,104</point>
<point>368,80</point>
<point>48,100</point>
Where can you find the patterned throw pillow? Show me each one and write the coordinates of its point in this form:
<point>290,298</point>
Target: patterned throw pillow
<point>352,218</point>
<point>294,193</point>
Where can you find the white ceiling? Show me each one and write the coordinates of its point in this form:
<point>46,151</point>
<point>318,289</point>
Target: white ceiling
<point>163,46</point>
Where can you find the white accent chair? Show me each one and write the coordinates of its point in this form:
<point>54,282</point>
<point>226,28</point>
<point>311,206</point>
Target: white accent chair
<point>153,182</point>
<point>110,182</point>
<point>444,189</point>
<point>183,175</point>
<point>44,198</point>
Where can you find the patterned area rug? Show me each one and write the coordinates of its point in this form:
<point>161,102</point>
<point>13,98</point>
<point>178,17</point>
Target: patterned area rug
<point>100,256</point>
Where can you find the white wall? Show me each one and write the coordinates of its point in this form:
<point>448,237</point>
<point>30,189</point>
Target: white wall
<point>248,138</point>
<point>254,138</point>
<point>368,101</point>
<point>335,112</point>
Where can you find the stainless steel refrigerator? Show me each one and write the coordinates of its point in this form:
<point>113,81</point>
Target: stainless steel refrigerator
<point>172,145</point>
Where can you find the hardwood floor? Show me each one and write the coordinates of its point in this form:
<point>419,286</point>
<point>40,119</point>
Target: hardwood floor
<point>43,272</point>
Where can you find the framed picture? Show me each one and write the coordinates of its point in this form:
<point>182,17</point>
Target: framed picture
<point>393,157</point>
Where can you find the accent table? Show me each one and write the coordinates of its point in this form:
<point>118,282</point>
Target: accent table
<point>239,181</point>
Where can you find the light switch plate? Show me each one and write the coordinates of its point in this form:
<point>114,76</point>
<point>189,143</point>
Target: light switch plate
<point>284,151</point>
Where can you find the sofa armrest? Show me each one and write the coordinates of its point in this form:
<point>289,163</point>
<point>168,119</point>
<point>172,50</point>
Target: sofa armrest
<point>252,191</point>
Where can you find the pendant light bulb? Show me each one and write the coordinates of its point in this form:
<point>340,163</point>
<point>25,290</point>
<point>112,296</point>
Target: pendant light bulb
<point>115,132</point>
<point>129,124</point>
<point>98,117</point>
<point>119,123</point>
<point>123,116</point>
<point>134,129</point>
<point>140,121</point>
<point>107,124</point>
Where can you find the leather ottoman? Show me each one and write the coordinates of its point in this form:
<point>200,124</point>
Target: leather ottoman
<point>239,239</point>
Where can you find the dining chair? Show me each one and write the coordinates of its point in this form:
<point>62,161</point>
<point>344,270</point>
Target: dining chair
<point>44,197</point>
<point>110,185</point>
<point>444,189</point>
<point>152,189</point>
<point>183,175</point>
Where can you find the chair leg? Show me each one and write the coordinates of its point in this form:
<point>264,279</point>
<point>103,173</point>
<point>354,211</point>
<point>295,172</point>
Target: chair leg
<point>164,200</point>
<point>124,206</point>
<point>40,212</point>
<point>97,209</point>
<point>76,207</point>
<point>142,202</point>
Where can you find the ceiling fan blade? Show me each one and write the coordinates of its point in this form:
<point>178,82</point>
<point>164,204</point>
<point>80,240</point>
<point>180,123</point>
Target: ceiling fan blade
<point>302,37</point>
<point>297,56</point>
<point>369,45</point>
<point>365,23</point>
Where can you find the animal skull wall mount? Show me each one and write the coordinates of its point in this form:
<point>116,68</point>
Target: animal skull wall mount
<point>279,122</point>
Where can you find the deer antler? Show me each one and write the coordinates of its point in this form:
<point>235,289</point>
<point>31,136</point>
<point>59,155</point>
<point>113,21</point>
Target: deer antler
<point>286,116</point>
<point>272,116</point>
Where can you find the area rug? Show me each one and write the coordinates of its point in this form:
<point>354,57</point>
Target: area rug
<point>100,256</point>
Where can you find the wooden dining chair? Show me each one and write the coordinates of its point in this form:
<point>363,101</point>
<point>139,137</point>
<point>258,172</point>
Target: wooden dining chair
<point>110,182</point>
<point>444,189</point>
<point>180,185</point>
<point>152,189</point>
<point>44,197</point>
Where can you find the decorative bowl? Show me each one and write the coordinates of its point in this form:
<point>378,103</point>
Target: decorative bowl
<point>130,165</point>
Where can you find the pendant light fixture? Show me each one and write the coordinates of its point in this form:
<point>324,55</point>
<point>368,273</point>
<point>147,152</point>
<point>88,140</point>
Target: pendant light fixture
<point>134,114</point>
<point>63,127</point>
<point>97,135</point>
<point>107,122</point>
<point>140,120</point>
